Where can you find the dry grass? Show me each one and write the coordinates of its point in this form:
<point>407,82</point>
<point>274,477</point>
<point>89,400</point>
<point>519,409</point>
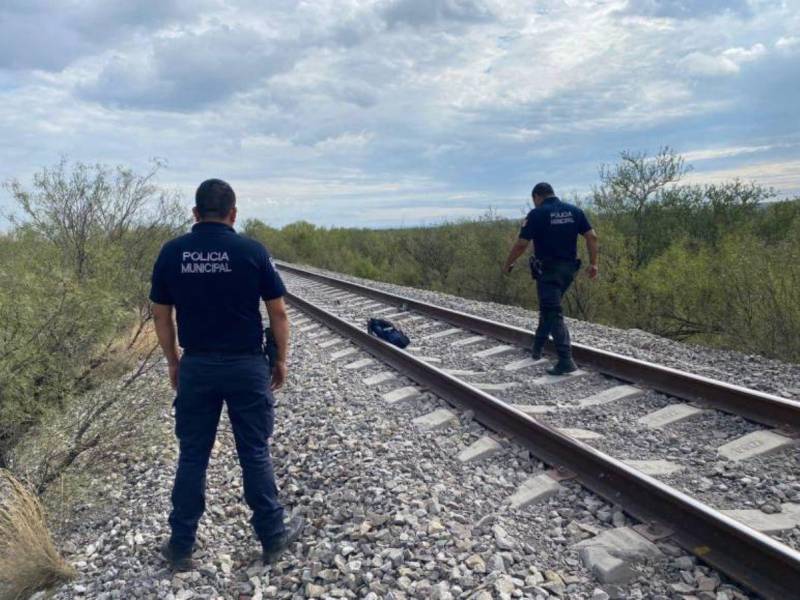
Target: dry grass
<point>29,562</point>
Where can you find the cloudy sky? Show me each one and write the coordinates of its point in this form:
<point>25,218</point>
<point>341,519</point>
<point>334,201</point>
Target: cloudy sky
<point>390,112</point>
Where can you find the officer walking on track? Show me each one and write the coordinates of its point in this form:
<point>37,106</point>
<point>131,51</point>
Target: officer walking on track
<point>214,279</point>
<point>554,226</point>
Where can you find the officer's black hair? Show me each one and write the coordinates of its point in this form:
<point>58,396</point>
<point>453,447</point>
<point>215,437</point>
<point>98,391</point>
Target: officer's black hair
<point>214,199</point>
<point>544,190</point>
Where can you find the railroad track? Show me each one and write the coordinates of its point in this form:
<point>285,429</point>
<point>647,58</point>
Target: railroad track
<point>760,562</point>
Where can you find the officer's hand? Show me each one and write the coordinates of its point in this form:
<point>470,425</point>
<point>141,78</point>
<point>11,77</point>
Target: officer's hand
<point>173,374</point>
<point>279,372</point>
<point>592,271</point>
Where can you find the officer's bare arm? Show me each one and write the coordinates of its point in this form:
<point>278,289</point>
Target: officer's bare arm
<point>517,250</point>
<point>593,250</point>
<point>165,331</point>
<point>279,324</point>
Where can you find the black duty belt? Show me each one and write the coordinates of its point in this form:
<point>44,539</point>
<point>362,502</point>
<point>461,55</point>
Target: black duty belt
<point>222,351</point>
<point>558,261</point>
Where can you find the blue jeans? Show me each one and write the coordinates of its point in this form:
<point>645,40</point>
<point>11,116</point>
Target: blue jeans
<point>204,382</point>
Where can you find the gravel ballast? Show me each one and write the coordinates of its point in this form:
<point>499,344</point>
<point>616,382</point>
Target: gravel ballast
<point>766,481</point>
<point>390,511</point>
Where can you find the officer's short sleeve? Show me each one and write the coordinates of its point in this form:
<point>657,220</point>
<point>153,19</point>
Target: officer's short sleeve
<point>526,231</point>
<point>582,222</point>
<point>159,283</point>
<point>271,285</point>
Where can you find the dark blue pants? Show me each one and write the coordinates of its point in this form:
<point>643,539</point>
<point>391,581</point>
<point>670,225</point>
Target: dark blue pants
<point>551,286</point>
<point>204,382</point>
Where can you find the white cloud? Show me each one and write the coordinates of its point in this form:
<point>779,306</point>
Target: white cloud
<point>688,9</point>
<point>330,107</point>
<point>729,152</point>
<point>784,176</point>
<point>788,43</point>
<point>742,55</point>
<point>191,69</point>
<point>419,13</point>
<point>51,34</point>
<point>727,62</point>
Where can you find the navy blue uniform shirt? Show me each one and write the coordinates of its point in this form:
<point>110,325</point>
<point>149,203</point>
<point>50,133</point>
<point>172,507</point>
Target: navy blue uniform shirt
<point>554,228</point>
<point>216,279</point>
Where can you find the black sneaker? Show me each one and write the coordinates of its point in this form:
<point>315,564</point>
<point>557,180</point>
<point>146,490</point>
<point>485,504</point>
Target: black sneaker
<point>563,367</point>
<point>178,561</point>
<point>276,547</point>
<point>536,353</point>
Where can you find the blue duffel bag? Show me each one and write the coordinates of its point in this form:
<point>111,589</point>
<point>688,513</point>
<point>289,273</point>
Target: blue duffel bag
<point>387,331</point>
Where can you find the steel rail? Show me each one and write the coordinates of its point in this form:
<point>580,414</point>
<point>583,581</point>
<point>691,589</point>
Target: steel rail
<point>757,406</point>
<point>755,560</point>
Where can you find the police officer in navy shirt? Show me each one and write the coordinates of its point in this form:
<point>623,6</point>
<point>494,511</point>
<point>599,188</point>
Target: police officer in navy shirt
<point>215,280</point>
<point>554,226</point>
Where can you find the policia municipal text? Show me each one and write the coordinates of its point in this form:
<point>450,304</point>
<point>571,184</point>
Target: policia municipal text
<point>215,279</point>
<point>554,226</point>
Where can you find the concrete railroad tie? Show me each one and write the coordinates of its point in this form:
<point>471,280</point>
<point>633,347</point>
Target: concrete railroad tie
<point>467,341</point>
<point>755,443</point>
<point>655,468</point>
<point>535,489</point>
<point>441,334</point>
<point>502,349</point>
<point>787,519</point>
<point>674,413</point>
<point>398,315</point>
<point>495,387</point>
<point>524,363</point>
<point>481,448</point>
<point>359,364</point>
<point>580,434</point>
<point>614,394</point>
<point>379,378</point>
<point>551,379</point>
<point>402,394</point>
<point>343,353</point>
<point>611,553</point>
<point>462,372</point>
<point>429,359</point>
<point>437,419</point>
<point>535,409</point>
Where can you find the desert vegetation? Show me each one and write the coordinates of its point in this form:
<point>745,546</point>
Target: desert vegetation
<point>75,343</point>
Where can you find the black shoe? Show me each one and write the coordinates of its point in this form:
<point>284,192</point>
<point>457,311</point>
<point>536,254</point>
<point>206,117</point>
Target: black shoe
<point>563,367</point>
<point>536,353</point>
<point>275,548</point>
<point>178,561</point>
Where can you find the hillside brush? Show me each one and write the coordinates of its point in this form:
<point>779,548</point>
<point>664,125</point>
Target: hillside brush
<point>29,561</point>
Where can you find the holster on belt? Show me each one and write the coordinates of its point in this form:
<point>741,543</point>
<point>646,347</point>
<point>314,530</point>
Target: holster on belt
<point>536,266</point>
<point>270,346</point>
